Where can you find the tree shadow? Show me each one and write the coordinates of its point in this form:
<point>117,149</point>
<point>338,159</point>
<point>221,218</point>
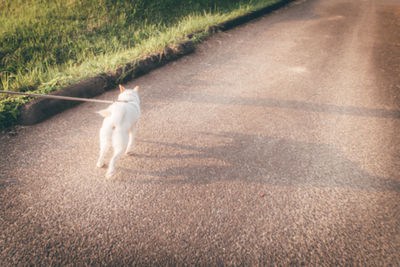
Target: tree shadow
<point>267,160</point>
<point>297,105</point>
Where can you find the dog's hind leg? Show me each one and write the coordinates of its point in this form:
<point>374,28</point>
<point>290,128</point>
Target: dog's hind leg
<point>119,142</point>
<point>132,134</point>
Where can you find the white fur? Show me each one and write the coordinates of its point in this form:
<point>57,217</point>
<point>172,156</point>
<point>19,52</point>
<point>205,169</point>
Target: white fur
<point>119,127</point>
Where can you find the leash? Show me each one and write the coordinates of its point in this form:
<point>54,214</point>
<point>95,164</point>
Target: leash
<point>62,97</point>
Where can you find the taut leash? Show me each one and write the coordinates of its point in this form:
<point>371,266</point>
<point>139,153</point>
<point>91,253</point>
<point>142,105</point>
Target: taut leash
<point>61,97</point>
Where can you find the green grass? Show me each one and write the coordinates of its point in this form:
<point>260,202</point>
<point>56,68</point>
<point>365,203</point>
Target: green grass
<point>48,44</point>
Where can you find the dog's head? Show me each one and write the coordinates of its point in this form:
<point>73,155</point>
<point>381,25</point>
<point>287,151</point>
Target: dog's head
<point>128,94</point>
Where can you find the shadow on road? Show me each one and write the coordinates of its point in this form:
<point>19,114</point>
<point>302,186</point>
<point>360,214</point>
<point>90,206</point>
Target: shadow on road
<point>298,105</point>
<point>266,160</point>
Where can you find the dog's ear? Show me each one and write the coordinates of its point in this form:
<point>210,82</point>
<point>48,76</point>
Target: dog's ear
<point>121,89</point>
<point>137,89</point>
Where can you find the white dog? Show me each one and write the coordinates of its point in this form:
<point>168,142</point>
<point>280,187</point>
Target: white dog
<point>119,126</point>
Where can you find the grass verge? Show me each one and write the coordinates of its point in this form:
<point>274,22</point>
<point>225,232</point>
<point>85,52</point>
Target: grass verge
<point>47,45</point>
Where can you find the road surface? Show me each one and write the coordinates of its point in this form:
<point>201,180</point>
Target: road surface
<point>276,143</point>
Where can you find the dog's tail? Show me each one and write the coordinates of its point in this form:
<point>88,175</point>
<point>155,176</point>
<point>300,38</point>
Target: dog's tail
<point>104,112</point>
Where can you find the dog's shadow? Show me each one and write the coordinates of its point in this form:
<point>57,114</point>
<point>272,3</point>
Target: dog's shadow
<point>264,160</point>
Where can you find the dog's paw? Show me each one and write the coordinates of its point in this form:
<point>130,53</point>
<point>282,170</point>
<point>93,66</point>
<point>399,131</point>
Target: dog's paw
<point>129,153</point>
<point>100,164</point>
<point>109,174</point>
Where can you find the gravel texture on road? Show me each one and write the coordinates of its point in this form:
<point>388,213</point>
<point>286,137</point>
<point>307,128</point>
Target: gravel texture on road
<point>275,143</point>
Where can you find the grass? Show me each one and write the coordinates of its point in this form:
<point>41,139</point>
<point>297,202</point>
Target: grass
<point>46,45</point>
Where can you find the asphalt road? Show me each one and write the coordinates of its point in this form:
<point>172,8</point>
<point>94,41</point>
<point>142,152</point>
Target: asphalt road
<point>276,143</point>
